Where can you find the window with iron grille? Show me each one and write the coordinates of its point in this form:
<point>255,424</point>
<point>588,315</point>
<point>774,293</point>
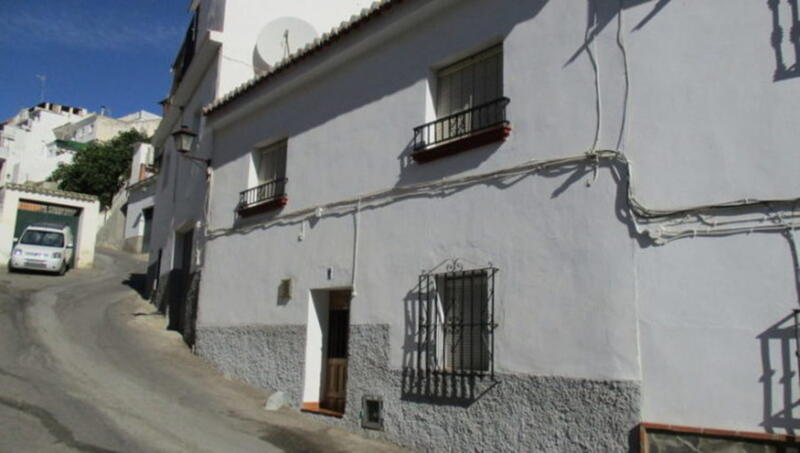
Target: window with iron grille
<point>456,322</point>
<point>796,314</point>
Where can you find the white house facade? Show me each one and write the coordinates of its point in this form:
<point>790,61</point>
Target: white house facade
<point>101,127</point>
<point>26,151</point>
<point>497,226</point>
<point>141,199</point>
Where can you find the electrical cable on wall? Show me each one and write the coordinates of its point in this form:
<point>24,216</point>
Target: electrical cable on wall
<point>660,225</point>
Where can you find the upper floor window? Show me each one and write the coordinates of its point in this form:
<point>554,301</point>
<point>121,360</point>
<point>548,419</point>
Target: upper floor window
<point>470,82</point>
<point>270,162</point>
<point>470,107</point>
<point>269,173</point>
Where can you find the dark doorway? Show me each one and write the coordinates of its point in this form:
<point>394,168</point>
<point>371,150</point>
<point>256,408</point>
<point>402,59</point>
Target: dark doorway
<point>147,214</point>
<point>335,393</point>
<point>182,272</point>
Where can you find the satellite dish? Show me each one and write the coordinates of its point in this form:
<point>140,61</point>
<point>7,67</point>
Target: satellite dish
<point>279,39</point>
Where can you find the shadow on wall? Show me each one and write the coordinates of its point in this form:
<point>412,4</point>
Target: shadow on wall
<point>600,13</point>
<point>412,172</point>
<point>785,11</point>
<point>779,378</point>
<point>426,385</point>
<point>785,16</point>
<point>176,295</point>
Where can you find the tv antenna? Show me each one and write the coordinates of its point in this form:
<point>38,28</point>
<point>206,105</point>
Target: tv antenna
<point>42,79</point>
<point>285,43</point>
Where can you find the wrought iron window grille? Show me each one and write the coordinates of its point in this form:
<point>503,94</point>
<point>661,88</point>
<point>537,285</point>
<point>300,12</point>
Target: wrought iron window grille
<point>269,191</point>
<point>796,314</point>
<point>455,321</point>
<point>462,124</point>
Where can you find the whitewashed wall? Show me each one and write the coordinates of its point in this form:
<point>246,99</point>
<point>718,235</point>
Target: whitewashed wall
<point>349,132</point>
<point>706,122</point>
<point>29,158</point>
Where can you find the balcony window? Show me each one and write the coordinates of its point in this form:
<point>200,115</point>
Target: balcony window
<point>470,107</point>
<point>269,165</point>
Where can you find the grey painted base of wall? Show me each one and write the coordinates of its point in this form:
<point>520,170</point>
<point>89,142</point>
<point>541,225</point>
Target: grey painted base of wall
<point>269,357</point>
<point>511,413</point>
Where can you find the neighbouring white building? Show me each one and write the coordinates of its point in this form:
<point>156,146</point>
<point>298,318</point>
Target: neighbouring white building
<point>141,198</point>
<point>226,44</point>
<point>34,142</point>
<point>26,142</point>
<point>99,127</point>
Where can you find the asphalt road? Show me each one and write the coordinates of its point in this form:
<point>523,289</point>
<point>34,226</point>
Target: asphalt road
<point>85,365</point>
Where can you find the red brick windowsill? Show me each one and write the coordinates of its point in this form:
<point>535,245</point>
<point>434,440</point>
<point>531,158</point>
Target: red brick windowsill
<point>260,208</point>
<point>497,133</point>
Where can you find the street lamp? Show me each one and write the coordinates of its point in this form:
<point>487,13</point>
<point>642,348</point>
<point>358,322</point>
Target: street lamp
<point>184,139</point>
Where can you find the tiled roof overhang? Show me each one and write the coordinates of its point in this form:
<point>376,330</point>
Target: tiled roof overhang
<point>52,192</point>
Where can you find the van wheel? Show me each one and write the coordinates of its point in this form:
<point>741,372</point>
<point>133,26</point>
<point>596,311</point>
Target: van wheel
<point>63,269</point>
<point>11,269</point>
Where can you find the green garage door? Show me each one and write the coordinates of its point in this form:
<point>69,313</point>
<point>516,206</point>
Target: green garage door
<point>32,212</point>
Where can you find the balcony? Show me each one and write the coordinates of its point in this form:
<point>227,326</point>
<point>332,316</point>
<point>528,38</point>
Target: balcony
<point>265,197</point>
<point>185,55</point>
<point>460,131</point>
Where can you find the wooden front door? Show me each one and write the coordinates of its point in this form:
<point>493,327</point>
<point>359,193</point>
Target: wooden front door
<point>336,359</point>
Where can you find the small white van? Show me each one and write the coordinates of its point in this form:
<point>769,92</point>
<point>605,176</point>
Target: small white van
<point>44,247</point>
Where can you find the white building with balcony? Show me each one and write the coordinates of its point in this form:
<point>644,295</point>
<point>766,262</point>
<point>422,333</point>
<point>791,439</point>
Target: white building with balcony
<point>26,151</point>
<point>497,226</point>
<point>227,43</point>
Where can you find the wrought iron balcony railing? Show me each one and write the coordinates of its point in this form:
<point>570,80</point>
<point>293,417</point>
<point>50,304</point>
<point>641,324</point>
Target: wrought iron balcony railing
<point>461,124</point>
<point>185,55</point>
<point>274,190</point>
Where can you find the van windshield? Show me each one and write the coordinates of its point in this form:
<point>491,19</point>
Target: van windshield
<point>43,238</point>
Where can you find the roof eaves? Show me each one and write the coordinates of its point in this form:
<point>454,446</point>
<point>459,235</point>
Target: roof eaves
<point>313,47</point>
<point>53,192</point>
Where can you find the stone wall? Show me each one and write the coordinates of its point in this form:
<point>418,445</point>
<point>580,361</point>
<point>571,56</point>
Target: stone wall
<point>111,233</point>
<point>269,357</point>
<point>509,413</point>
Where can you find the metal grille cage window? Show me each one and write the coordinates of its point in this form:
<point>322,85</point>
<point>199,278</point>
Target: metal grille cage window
<point>456,321</point>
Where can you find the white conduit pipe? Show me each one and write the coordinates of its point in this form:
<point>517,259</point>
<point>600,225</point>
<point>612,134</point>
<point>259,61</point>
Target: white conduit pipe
<point>356,221</point>
<point>646,221</point>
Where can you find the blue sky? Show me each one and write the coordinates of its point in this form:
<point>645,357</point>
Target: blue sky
<point>94,53</point>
